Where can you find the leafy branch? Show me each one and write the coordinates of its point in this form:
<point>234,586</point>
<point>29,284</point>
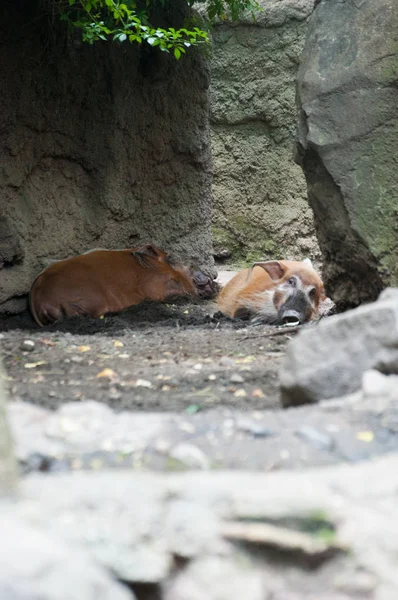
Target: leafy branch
<point>125,22</point>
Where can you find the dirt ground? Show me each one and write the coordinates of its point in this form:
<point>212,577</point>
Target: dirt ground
<point>167,357</point>
<point>214,380</point>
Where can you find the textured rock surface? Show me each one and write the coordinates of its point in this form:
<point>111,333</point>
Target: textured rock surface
<point>348,143</point>
<point>137,525</point>
<point>101,146</point>
<point>7,462</point>
<point>329,360</point>
<point>260,198</point>
<point>34,566</point>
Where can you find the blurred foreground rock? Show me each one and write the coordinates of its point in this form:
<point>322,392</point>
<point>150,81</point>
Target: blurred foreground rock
<point>8,476</point>
<point>91,436</point>
<point>226,533</point>
<point>35,566</point>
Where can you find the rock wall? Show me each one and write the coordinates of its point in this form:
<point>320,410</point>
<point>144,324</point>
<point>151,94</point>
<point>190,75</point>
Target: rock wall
<point>260,195</point>
<point>103,146</point>
<point>348,143</point>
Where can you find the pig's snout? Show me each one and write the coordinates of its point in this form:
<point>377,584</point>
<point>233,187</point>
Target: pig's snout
<point>295,309</point>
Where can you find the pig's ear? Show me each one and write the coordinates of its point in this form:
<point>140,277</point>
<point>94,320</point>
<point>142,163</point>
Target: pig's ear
<point>145,252</point>
<point>274,268</point>
<point>307,261</point>
<point>149,250</point>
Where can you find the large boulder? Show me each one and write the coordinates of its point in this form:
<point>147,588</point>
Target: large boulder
<point>102,146</point>
<point>348,143</point>
<point>329,360</point>
<point>220,536</point>
<point>259,193</point>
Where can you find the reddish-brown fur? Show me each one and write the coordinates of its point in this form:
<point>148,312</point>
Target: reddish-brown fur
<point>104,281</point>
<point>248,290</point>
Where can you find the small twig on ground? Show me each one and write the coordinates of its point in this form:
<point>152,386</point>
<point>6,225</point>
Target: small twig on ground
<point>274,333</point>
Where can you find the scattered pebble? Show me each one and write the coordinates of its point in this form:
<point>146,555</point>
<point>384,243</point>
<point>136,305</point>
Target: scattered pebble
<point>236,378</point>
<point>77,359</point>
<point>114,394</point>
<point>256,429</point>
<point>39,363</point>
<point>190,456</point>
<point>225,361</point>
<point>240,393</point>
<point>108,373</point>
<point>365,436</point>
<point>162,446</point>
<point>188,427</point>
<point>143,383</point>
<point>27,346</point>
<point>314,437</point>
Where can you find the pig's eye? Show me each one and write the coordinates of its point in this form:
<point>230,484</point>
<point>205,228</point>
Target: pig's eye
<point>292,281</point>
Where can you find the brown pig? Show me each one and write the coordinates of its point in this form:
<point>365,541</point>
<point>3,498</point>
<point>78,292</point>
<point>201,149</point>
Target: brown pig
<point>275,292</point>
<point>103,281</point>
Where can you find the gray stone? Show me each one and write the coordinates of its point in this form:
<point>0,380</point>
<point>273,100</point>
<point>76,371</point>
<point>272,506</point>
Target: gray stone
<point>8,471</point>
<point>191,529</point>
<point>236,378</point>
<point>315,438</point>
<point>118,522</point>
<point>81,427</point>
<point>27,346</point>
<point>329,360</point>
<point>260,198</point>
<point>132,165</point>
<point>375,384</point>
<point>217,578</point>
<point>348,143</point>
<point>255,428</point>
<point>34,566</point>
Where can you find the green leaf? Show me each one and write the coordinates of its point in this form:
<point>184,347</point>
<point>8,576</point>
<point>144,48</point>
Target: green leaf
<point>122,37</point>
<point>177,53</point>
